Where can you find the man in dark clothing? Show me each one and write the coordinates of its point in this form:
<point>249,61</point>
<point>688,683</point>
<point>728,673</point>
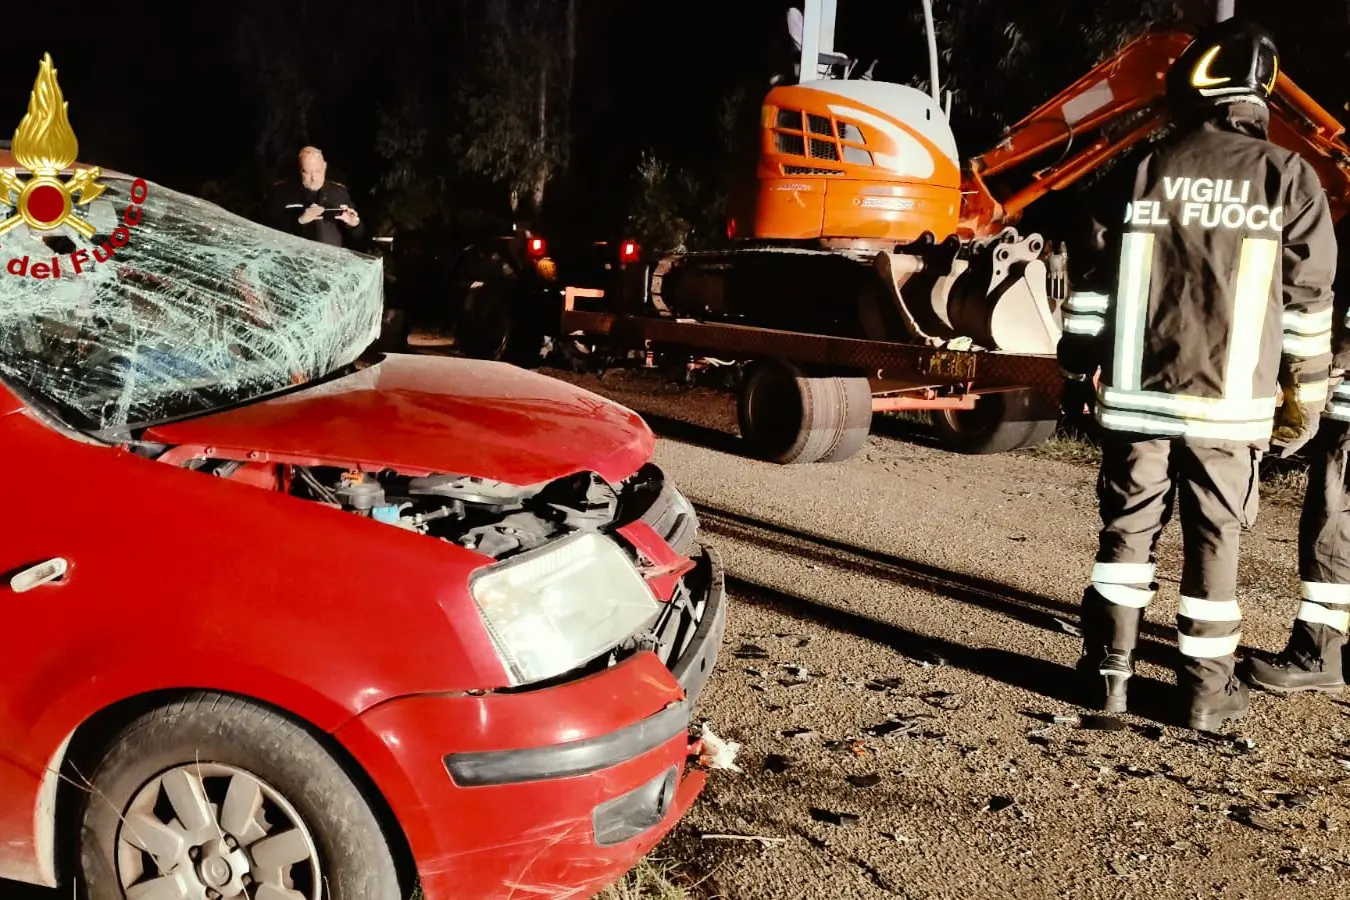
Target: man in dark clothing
<point>316,208</point>
<point>1215,305</point>
<point>1312,658</point>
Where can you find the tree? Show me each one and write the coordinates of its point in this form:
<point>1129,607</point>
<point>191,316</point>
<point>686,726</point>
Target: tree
<point>517,99</point>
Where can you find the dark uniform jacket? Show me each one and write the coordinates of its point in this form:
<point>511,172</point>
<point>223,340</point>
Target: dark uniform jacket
<point>291,198</point>
<point>1216,293</point>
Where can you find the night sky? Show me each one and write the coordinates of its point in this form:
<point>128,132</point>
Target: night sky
<point>178,98</point>
<point>169,97</point>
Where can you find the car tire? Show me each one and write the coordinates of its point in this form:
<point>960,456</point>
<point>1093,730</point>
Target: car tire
<point>270,791</point>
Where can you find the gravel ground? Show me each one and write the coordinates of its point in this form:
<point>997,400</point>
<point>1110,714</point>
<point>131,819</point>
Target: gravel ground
<point>895,690</point>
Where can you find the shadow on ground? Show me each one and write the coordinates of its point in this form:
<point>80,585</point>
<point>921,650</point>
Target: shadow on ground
<point>1149,698</point>
<point>698,435</point>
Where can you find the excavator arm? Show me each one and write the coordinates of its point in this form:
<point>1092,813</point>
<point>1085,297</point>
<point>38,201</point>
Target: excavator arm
<point>1119,103</point>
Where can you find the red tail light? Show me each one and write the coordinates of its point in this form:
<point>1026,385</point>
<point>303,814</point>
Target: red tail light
<point>731,229</point>
<point>537,248</point>
<point>628,252</point>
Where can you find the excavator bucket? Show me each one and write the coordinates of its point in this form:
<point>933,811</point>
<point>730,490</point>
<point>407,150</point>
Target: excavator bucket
<point>998,298</point>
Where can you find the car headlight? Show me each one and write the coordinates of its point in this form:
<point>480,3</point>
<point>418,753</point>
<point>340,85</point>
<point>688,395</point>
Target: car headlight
<point>561,606</point>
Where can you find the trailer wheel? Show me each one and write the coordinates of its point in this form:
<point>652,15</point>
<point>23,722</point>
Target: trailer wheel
<point>788,418</point>
<point>999,423</point>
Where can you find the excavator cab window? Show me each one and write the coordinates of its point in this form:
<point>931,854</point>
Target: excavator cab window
<point>817,140</point>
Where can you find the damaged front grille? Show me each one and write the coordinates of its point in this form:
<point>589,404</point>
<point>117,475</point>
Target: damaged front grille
<point>654,499</point>
<point>650,497</point>
<point>675,630</point>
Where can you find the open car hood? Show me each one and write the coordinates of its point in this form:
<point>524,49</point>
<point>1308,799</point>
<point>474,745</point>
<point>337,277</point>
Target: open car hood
<point>421,415</point>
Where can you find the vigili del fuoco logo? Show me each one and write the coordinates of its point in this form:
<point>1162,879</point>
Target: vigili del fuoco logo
<point>45,145</point>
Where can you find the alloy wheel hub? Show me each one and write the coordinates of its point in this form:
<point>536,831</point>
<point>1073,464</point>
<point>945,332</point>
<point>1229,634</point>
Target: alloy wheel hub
<point>222,869</point>
<point>207,831</point>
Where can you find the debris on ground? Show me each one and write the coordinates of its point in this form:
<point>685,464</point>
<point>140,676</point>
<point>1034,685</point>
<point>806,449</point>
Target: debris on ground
<point>1051,718</point>
<point>1102,723</point>
<point>997,804</point>
<point>864,781</point>
<point>777,763</point>
<point>896,724</point>
<point>718,754</point>
<point>1117,870</point>
<point>1292,801</point>
<point>751,651</point>
<point>797,671</point>
<point>833,818</point>
<point>1068,627</point>
<point>855,746</point>
<point>1135,771</point>
<point>884,684</point>
<point>943,700</point>
<point>926,660</point>
<point>801,734</point>
<point>763,839</point>
<point>1152,732</point>
<point>1245,815</point>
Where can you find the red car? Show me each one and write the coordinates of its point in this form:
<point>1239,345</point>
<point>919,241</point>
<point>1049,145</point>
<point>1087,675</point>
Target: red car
<point>278,625</point>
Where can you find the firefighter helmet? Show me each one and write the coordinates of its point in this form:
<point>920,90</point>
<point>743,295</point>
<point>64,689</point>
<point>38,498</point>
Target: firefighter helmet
<point>1226,62</point>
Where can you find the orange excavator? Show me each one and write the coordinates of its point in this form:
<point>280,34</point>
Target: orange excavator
<point>871,270</point>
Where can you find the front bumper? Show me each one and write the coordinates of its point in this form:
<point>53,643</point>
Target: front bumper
<point>554,792</point>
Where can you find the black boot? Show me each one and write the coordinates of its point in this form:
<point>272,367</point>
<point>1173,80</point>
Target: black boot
<point>1110,635</point>
<point>1212,693</point>
<point>1311,661</point>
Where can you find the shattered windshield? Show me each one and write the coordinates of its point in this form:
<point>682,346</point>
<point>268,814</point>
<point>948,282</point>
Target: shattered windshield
<point>187,308</point>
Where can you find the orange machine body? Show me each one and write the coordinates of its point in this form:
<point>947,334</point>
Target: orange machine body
<point>855,160</point>
<point>1119,103</point>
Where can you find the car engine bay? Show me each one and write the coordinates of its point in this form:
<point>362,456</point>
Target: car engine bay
<point>490,517</point>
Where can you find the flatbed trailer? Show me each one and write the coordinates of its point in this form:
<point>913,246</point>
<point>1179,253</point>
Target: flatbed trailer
<point>811,397</point>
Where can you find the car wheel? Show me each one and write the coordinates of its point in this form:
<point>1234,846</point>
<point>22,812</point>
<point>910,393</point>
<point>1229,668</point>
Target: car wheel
<point>216,797</point>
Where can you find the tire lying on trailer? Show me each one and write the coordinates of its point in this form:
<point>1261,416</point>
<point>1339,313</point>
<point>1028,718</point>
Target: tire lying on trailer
<point>999,423</point>
<point>787,417</point>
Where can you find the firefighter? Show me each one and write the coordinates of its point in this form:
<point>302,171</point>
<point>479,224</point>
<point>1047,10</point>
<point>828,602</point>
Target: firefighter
<point>1312,657</point>
<point>1210,302</point>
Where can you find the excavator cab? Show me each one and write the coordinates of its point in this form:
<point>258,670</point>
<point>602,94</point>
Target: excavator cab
<point>849,160</point>
<point>829,63</point>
